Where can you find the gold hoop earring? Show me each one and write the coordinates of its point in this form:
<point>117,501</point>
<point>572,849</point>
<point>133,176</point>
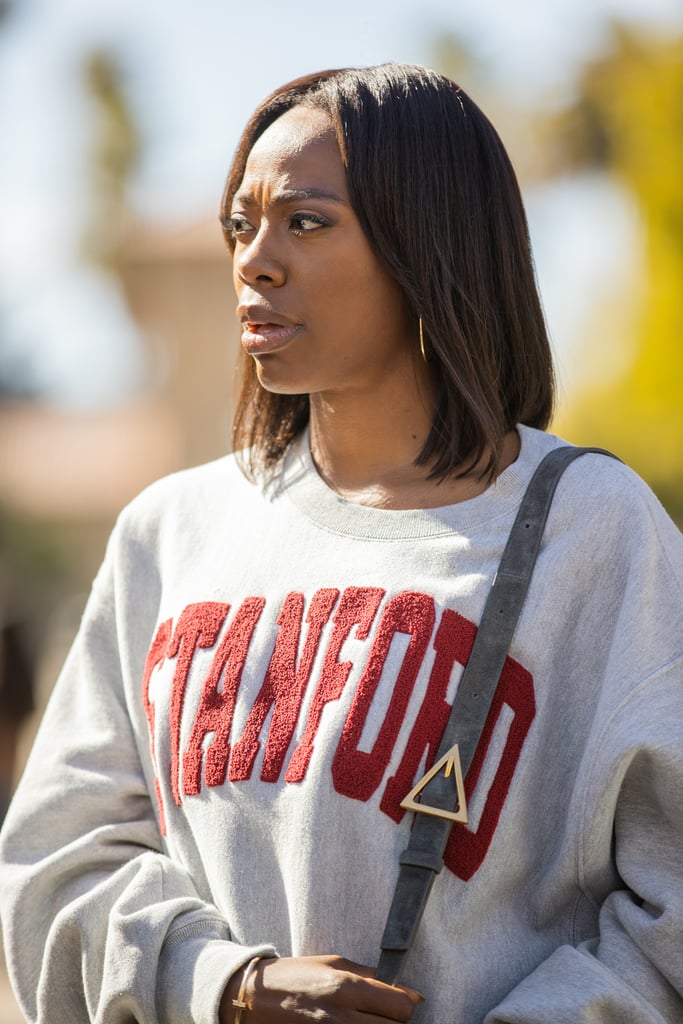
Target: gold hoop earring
<point>422,342</point>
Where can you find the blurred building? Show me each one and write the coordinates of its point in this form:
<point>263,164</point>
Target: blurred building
<point>83,467</point>
<point>180,292</point>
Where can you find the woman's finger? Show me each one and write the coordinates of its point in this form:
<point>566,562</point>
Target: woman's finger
<point>375,999</point>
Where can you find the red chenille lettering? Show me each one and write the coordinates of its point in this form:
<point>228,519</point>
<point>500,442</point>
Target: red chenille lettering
<point>198,626</point>
<point>357,607</point>
<point>216,707</point>
<point>452,643</point>
<point>283,687</point>
<point>465,850</point>
<point>156,654</point>
<point>357,773</point>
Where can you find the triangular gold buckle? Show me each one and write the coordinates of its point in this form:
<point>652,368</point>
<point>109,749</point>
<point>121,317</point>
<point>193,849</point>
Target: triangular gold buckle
<point>451,760</point>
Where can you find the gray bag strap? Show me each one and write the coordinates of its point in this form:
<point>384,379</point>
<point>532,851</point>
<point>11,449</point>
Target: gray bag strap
<point>423,858</point>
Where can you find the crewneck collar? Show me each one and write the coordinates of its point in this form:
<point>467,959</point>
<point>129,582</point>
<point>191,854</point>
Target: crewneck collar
<point>304,487</point>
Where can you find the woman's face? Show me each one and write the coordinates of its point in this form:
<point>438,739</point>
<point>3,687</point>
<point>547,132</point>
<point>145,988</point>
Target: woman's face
<point>319,311</point>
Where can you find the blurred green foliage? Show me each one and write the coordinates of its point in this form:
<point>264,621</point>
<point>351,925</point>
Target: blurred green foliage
<point>624,120</point>
<point>34,559</point>
<point>628,121</point>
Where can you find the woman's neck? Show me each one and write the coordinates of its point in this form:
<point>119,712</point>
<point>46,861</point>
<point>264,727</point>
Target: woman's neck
<point>366,452</point>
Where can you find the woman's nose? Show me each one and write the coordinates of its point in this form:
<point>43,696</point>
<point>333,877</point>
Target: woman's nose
<point>256,260</point>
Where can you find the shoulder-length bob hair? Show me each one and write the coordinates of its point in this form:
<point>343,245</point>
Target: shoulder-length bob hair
<point>436,195</point>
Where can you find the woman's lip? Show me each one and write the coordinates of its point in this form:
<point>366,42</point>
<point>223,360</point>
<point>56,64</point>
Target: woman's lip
<point>260,339</point>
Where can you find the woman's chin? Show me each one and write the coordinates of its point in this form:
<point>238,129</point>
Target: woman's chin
<point>279,383</point>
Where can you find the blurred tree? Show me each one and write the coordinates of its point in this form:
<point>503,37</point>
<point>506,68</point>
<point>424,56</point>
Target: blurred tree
<point>453,56</point>
<point>38,552</point>
<point>628,121</point>
<point>114,154</point>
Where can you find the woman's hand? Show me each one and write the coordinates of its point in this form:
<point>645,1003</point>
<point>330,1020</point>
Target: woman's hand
<point>291,990</point>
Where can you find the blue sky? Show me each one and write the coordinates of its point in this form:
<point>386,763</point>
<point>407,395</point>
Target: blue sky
<point>194,72</point>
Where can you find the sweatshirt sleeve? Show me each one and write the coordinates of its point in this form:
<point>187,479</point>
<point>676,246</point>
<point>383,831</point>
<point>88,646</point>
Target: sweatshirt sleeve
<point>632,968</point>
<point>624,960</point>
<point>99,923</point>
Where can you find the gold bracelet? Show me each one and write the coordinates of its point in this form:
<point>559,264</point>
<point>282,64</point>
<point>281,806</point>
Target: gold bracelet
<point>239,1003</point>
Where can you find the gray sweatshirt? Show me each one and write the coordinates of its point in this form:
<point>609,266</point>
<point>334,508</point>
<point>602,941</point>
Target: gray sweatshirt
<point>263,673</point>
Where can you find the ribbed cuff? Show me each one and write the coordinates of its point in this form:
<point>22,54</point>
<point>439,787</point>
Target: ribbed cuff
<point>195,966</point>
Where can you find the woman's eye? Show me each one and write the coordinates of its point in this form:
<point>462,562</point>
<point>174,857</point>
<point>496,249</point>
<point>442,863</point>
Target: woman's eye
<point>304,223</point>
<point>237,225</point>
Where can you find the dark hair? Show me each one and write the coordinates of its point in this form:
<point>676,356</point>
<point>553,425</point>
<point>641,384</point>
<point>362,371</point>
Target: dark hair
<point>436,195</point>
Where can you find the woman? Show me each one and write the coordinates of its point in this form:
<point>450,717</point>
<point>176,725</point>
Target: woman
<point>210,824</point>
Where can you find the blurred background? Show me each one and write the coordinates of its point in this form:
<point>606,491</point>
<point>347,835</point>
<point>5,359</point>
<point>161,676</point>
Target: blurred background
<point>117,336</point>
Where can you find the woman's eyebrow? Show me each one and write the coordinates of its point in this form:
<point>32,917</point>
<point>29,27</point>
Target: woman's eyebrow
<point>292,195</point>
